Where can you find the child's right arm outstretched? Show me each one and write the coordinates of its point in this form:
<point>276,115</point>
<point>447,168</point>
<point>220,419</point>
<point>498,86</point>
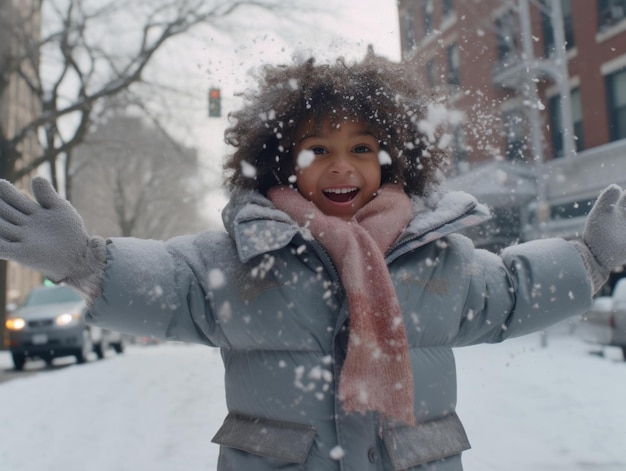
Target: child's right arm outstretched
<point>49,236</point>
<point>131,285</point>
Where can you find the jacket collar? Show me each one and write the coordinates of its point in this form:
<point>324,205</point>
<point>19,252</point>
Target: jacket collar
<point>258,227</point>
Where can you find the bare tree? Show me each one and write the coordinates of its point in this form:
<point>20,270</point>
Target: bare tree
<point>131,179</point>
<point>91,50</point>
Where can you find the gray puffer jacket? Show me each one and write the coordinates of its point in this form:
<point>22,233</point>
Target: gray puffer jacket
<point>269,297</point>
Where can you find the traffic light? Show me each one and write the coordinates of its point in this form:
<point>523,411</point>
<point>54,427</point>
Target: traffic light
<point>215,103</point>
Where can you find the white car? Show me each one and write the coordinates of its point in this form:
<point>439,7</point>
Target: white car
<point>605,323</point>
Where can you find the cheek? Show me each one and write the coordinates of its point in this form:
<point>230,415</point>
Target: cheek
<point>305,180</point>
<point>375,174</point>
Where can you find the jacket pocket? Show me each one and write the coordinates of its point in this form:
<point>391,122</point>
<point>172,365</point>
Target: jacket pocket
<point>428,441</point>
<point>285,441</point>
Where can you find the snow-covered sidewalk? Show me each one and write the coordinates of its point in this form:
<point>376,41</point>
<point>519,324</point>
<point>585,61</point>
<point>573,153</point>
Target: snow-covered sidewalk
<point>156,409</point>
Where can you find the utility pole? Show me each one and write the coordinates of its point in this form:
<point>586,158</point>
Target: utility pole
<point>560,60</point>
<point>556,68</point>
<point>530,85</point>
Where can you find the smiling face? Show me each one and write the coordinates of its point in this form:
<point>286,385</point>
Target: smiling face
<point>337,167</point>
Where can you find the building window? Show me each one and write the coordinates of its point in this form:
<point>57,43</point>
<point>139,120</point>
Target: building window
<point>507,33</point>
<point>616,99</point>
<point>548,31</point>
<point>448,8</point>
<point>452,54</point>
<point>610,12</point>
<point>507,222</point>
<point>555,126</point>
<point>514,135</point>
<point>408,29</point>
<point>459,149</point>
<point>431,73</point>
<point>571,209</point>
<point>427,8</point>
<point>556,131</point>
<point>577,118</point>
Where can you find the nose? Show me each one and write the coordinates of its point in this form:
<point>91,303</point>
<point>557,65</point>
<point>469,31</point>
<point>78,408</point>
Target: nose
<point>341,165</point>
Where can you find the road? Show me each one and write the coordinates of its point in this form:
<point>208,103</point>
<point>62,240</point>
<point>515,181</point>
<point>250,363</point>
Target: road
<point>7,373</point>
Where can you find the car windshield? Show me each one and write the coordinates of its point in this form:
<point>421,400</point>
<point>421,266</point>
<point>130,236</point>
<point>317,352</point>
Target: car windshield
<point>52,295</point>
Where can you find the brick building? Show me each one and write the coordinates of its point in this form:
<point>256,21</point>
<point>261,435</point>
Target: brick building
<point>542,85</point>
<point>18,106</point>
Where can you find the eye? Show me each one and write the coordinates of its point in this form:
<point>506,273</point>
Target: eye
<point>362,149</point>
<point>318,150</point>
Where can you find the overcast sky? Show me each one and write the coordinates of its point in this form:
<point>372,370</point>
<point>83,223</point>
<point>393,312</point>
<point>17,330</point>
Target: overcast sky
<point>345,28</point>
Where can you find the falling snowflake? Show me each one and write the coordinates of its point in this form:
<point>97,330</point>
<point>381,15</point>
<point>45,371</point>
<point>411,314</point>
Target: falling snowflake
<point>305,158</point>
<point>337,453</point>
<point>216,279</point>
<point>248,170</point>
<point>384,158</point>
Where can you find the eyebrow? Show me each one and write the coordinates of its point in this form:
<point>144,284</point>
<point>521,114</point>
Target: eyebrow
<point>365,132</point>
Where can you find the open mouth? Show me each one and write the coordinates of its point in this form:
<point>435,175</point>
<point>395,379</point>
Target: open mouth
<point>341,195</point>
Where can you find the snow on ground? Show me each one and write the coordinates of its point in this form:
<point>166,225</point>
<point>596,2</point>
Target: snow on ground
<point>557,408</point>
<point>156,408</point>
<point>153,408</point>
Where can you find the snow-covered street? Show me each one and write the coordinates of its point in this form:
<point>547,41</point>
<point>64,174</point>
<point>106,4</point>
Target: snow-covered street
<point>156,408</point>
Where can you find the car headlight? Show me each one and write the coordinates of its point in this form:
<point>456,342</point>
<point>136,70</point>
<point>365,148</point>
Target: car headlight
<point>67,318</point>
<point>15,323</point>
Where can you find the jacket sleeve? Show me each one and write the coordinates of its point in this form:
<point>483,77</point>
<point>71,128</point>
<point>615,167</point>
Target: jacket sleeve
<point>158,289</point>
<point>526,288</point>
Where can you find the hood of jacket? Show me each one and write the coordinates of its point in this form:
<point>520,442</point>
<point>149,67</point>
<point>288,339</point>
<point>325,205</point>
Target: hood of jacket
<point>258,227</point>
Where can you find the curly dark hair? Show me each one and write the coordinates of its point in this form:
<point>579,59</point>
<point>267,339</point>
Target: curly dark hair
<point>375,90</point>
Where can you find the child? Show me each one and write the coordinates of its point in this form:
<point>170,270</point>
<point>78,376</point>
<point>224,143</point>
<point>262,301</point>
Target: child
<point>341,286</point>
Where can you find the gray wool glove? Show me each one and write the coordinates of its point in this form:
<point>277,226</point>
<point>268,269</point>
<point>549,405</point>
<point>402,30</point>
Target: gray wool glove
<point>605,229</point>
<point>49,236</point>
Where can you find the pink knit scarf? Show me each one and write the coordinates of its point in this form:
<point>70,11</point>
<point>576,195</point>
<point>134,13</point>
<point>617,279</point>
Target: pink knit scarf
<point>376,374</point>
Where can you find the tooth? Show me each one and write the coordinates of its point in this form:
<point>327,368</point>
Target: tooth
<point>340,190</point>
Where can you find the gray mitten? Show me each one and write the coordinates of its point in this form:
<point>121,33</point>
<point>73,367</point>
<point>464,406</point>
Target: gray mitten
<point>605,229</point>
<point>49,236</point>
